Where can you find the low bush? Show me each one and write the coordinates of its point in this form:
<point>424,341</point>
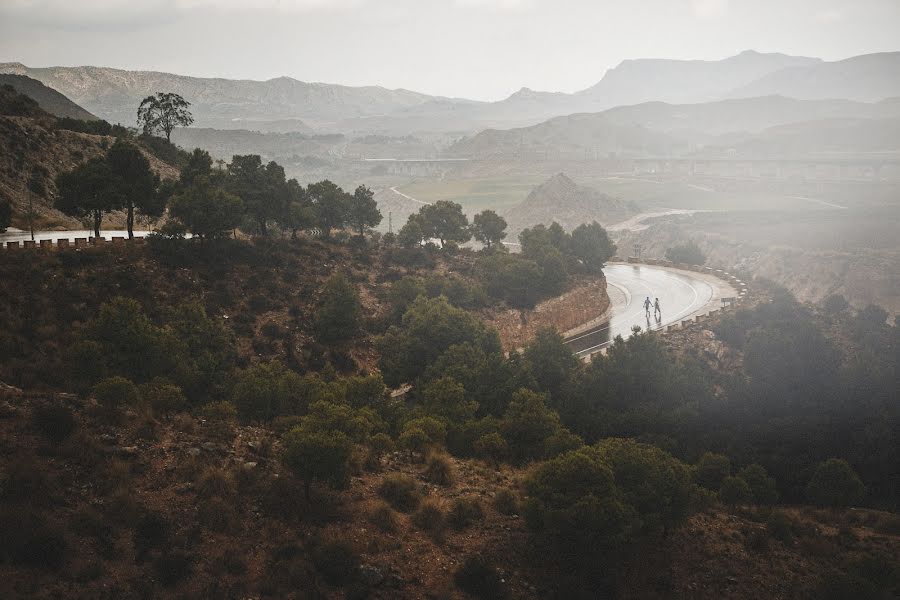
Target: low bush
<point>54,421</point>
<point>439,471</point>
<point>400,491</point>
<point>336,561</point>
<point>30,540</point>
<point>215,483</point>
<point>431,519</point>
<point>464,512</point>
<point>780,526</point>
<point>115,393</point>
<point>163,396</point>
<point>384,518</point>
<point>479,579</point>
<point>218,515</point>
<point>506,502</point>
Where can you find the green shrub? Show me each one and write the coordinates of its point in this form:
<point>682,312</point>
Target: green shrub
<point>689,254</point>
<point>734,491</point>
<point>400,491</point>
<point>115,393</point>
<point>477,578</point>
<point>464,512</point>
<point>54,421</point>
<point>762,487</point>
<point>318,456</point>
<point>506,502</point>
<point>440,471</point>
<point>835,484</point>
<point>163,396</point>
<point>711,470</point>
<point>338,311</point>
<point>491,447</point>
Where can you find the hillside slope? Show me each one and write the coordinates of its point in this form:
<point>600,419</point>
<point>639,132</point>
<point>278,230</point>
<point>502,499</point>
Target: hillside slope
<point>572,137</point>
<point>115,94</point>
<point>684,81</point>
<point>47,98</point>
<point>34,151</point>
<point>868,78</point>
<point>561,200</point>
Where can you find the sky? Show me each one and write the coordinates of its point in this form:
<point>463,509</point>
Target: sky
<point>480,49</point>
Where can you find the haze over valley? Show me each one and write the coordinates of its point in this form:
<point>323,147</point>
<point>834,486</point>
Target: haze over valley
<point>450,299</point>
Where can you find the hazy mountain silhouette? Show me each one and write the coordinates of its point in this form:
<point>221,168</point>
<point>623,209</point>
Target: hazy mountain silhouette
<point>47,98</point>
<point>869,77</point>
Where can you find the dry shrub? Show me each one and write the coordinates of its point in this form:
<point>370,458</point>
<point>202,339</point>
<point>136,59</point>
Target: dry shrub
<point>464,512</point>
<point>218,515</point>
<point>215,483</point>
<point>401,492</point>
<point>439,470</point>
<point>336,560</point>
<point>506,502</point>
<point>30,540</point>
<point>431,519</point>
<point>384,518</point>
<point>477,578</point>
<point>54,421</point>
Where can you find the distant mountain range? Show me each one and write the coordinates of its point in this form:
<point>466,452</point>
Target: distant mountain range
<point>48,99</point>
<point>661,129</point>
<point>286,105</point>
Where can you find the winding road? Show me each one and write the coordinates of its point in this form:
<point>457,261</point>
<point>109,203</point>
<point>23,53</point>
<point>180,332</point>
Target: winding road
<point>682,294</point>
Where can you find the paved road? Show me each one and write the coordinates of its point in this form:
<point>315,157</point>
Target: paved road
<point>681,294</point>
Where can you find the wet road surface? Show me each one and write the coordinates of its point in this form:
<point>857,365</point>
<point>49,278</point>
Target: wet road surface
<point>681,294</point>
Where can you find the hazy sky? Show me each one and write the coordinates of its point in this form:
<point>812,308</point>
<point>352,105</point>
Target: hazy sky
<point>483,49</point>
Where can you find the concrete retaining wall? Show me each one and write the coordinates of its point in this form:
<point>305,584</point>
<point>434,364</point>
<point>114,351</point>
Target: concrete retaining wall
<point>76,242</point>
<point>584,306</point>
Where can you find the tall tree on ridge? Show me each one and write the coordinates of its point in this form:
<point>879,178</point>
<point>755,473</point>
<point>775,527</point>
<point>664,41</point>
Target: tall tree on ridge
<point>164,112</point>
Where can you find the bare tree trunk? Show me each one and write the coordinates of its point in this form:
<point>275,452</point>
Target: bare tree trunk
<point>129,222</point>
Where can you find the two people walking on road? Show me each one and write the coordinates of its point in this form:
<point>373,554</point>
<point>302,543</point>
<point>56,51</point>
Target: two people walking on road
<point>657,311</point>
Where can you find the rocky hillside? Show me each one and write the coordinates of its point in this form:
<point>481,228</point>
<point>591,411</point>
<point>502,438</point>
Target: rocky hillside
<point>115,94</point>
<point>574,137</point>
<point>279,105</point>
<point>33,151</point>
<point>687,81</point>
<point>863,272</point>
<point>47,98</point>
<point>562,200</point>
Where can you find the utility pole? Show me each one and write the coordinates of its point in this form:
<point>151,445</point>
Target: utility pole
<point>390,222</point>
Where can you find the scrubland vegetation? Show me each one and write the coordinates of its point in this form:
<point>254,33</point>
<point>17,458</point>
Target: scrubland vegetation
<point>327,414</point>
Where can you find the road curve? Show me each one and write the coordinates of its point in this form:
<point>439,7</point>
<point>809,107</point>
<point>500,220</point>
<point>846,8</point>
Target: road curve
<point>682,294</point>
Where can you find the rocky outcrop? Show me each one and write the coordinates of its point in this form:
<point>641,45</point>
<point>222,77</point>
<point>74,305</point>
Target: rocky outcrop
<point>562,200</point>
<point>583,306</point>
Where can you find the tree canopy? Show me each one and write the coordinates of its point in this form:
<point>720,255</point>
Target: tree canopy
<point>164,112</point>
<point>489,228</point>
